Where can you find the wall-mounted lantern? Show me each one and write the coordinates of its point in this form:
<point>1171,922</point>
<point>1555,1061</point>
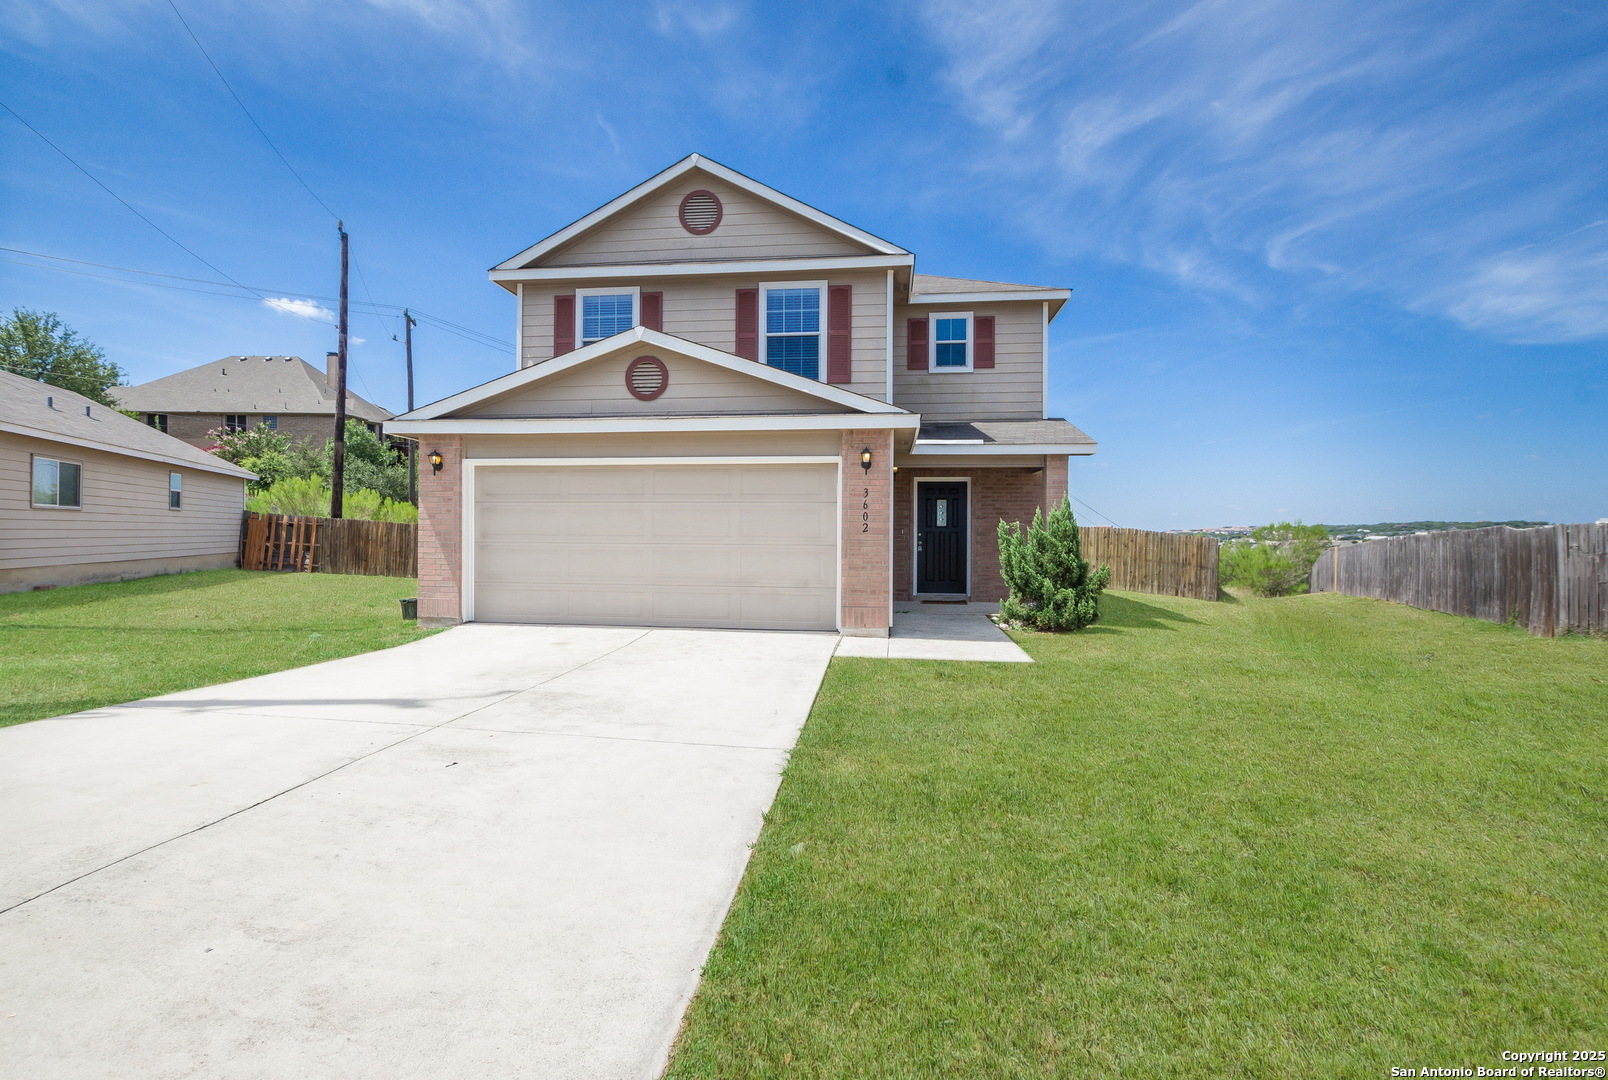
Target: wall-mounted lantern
<point>435,460</point>
<point>865,459</point>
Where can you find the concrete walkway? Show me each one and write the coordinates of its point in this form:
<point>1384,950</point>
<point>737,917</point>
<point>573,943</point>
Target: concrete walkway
<point>504,851</point>
<point>940,632</point>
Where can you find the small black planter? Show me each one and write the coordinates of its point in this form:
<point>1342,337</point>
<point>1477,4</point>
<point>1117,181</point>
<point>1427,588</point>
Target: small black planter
<point>410,608</point>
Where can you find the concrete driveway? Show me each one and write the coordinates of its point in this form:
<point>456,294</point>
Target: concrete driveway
<point>504,851</point>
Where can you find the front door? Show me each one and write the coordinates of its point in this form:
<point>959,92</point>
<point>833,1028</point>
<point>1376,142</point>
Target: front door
<point>940,537</point>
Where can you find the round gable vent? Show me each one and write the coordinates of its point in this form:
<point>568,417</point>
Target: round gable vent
<point>700,212</point>
<point>646,377</point>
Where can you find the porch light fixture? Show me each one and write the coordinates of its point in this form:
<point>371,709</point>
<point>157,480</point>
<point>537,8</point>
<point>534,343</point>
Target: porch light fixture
<point>435,460</point>
<point>865,459</point>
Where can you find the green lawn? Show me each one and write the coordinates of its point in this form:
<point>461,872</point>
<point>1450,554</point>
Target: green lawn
<point>1312,837</point>
<point>92,645</point>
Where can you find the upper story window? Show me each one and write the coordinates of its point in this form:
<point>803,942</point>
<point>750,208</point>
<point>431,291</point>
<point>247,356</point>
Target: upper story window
<point>606,312</point>
<point>792,325</point>
<point>157,420</point>
<point>234,422</point>
<point>57,483</point>
<point>952,341</point>
<point>271,423</point>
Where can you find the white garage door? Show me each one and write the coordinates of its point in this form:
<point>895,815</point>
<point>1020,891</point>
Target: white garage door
<point>742,546</point>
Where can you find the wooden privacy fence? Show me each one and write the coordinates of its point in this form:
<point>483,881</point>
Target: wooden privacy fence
<point>1173,564</point>
<point>1546,580</point>
<point>330,545</point>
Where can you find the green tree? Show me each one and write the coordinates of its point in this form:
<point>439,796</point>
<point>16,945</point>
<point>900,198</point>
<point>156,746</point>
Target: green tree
<point>1276,560</point>
<point>372,464</point>
<point>272,455</point>
<point>37,346</point>
<point>1051,584</point>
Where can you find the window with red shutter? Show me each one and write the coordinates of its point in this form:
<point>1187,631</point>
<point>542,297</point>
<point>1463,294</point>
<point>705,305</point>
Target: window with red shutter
<point>748,324</point>
<point>839,334</point>
<point>916,360</point>
<point>563,324</point>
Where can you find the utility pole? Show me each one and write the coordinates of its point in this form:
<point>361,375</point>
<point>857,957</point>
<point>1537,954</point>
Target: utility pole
<point>337,496</point>
<point>413,452</point>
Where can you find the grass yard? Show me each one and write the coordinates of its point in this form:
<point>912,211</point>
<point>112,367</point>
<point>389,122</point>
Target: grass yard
<point>91,645</point>
<point>1312,837</point>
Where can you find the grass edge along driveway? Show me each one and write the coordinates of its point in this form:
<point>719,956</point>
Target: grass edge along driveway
<point>87,646</point>
<point>1317,836</point>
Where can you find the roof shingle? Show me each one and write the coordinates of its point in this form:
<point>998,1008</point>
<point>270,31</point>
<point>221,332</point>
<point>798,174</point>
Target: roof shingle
<point>276,385</point>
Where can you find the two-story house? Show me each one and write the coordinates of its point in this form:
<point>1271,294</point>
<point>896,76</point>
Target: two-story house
<point>733,410</point>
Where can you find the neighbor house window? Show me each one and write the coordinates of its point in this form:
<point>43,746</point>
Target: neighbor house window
<point>158,420</point>
<point>271,423</point>
<point>56,483</point>
<point>606,312</point>
<point>175,490</point>
<point>792,314</point>
<point>234,422</point>
<point>952,341</point>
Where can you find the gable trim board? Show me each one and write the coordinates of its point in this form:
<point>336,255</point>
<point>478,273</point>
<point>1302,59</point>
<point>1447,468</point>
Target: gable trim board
<point>509,279</point>
<point>619,425</point>
<point>668,176</point>
<point>652,338</point>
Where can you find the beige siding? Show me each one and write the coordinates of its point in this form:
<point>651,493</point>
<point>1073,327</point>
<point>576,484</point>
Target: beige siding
<point>655,444</point>
<point>695,388</point>
<point>1012,390</point>
<point>125,513</point>
<point>749,229</point>
<point>704,309</point>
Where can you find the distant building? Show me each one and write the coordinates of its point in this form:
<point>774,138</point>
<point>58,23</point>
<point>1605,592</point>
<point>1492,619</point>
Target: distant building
<point>239,392</point>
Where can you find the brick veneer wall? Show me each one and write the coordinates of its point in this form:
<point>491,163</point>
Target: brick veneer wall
<point>867,506</point>
<point>996,495</point>
<point>441,533</point>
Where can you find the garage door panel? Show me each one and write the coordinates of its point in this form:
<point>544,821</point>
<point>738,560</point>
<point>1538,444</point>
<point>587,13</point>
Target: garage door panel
<point>718,546</point>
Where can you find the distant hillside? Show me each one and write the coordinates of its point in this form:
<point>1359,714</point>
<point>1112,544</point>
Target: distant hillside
<point>1408,528</point>
<point>1364,532</point>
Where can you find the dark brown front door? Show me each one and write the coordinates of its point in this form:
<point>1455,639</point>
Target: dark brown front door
<point>940,538</point>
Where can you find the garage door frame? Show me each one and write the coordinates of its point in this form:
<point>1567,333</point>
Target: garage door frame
<point>472,465</point>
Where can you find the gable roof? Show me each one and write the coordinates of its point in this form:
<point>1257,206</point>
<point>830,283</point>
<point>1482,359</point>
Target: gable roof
<point>277,385</point>
<point>42,411</point>
<point>654,339</point>
<point>687,164</point>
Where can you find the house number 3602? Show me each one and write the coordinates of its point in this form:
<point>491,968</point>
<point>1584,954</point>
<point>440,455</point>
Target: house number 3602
<point>865,512</point>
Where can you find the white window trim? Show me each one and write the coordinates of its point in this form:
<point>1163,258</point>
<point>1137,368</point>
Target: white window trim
<point>932,339</point>
<point>618,290</point>
<point>172,474</point>
<point>820,333</point>
<point>59,462</point>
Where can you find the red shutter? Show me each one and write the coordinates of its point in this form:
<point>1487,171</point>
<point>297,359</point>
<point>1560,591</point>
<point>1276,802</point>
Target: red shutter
<point>748,323</point>
<point>652,310</point>
<point>918,345</point>
<point>839,322</point>
<point>563,324</point>
<point>983,343</point>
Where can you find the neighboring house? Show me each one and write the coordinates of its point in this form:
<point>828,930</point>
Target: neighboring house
<point>284,392</point>
<point>732,410</point>
<point>87,494</point>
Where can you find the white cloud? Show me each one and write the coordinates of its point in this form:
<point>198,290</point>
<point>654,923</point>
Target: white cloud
<point>1242,146</point>
<point>702,20</point>
<point>307,309</point>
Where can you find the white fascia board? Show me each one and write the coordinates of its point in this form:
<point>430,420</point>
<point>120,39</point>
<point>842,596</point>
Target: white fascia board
<point>990,297</point>
<point>676,171</point>
<point>652,339</point>
<point>631,271</point>
<point>610,425</point>
<point>927,449</point>
<point>223,467</point>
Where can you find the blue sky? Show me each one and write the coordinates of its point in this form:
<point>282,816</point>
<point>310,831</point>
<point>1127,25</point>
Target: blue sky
<point>1343,261</point>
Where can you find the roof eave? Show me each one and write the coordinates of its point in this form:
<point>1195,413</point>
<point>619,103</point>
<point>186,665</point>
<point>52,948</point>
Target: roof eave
<point>46,435</point>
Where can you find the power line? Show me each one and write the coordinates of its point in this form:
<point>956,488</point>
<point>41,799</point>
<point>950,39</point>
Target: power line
<point>1091,509</point>
<point>119,198</point>
<point>390,310</point>
<point>362,280</point>
<point>219,73</point>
